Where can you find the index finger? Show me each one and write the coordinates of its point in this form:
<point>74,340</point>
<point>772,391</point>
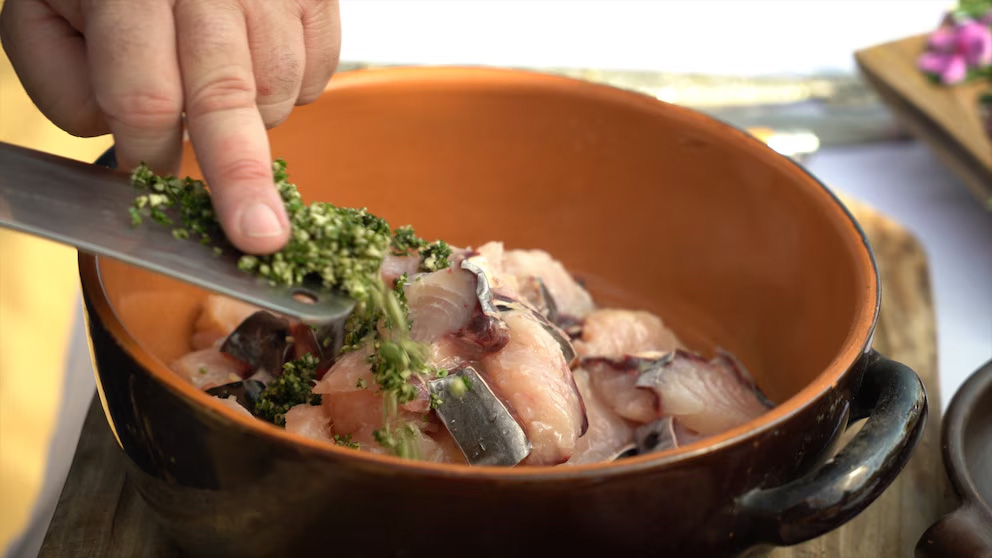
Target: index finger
<point>225,126</point>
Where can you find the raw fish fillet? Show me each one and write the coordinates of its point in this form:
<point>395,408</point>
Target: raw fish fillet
<point>393,267</point>
<point>532,377</point>
<point>441,302</point>
<point>615,383</point>
<point>608,434</point>
<point>310,421</point>
<point>614,333</point>
<point>209,368</point>
<point>219,316</point>
<point>571,299</point>
<point>708,397</point>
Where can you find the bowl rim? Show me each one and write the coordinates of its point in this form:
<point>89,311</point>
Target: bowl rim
<point>856,344</point>
<point>964,404</point>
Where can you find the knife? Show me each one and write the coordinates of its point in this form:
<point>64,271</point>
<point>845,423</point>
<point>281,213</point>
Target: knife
<point>86,206</point>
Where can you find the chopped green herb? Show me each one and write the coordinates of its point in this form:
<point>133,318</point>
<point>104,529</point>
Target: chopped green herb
<point>394,362</point>
<point>340,248</point>
<point>293,387</point>
<point>457,388</point>
<point>346,441</point>
<point>436,401</point>
<point>434,256</point>
<point>361,384</point>
<point>401,442</point>
<point>202,370</point>
<point>405,240</point>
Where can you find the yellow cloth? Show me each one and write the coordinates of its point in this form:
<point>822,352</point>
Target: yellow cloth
<point>38,290</point>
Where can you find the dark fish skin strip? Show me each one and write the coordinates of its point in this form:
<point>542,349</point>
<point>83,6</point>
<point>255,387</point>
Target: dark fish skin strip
<point>656,436</point>
<point>485,328</point>
<point>663,434</point>
<point>260,341</point>
<point>246,392</point>
<point>486,331</point>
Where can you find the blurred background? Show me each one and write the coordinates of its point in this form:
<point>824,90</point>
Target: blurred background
<point>784,69</point>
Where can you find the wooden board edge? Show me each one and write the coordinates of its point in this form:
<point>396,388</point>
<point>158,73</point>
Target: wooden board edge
<point>905,80</point>
<point>976,176</point>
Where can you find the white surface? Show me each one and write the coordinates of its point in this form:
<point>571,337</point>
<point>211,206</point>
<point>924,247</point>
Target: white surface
<point>78,390</point>
<point>707,36</point>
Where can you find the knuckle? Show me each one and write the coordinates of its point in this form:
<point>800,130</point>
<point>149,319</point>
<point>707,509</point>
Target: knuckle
<point>278,74</point>
<point>227,90</point>
<point>274,115</point>
<point>314,87</point>
<point>143,108</point>
<point>243,170</point>
<point>310,94</point>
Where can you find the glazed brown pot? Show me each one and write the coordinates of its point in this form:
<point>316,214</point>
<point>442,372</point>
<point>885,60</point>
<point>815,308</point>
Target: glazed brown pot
<point>656,207</point>
<point>967,442</point>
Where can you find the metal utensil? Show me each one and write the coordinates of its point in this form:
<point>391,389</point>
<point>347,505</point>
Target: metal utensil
<point>481,425</point>
<point>86,206</point>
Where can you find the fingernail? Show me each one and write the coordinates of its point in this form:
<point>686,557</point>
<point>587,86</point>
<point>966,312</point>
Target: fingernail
<point>260,221</point>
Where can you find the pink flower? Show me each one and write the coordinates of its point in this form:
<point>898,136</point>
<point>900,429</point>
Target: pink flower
<point>954,49</point>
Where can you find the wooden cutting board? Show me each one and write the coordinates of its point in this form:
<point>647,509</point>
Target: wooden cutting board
<point>946,118</point>
<point>100,514</point>
<point>906,332</point>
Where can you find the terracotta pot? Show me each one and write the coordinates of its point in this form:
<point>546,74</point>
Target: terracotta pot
<point>657,207</point>
<point>967,437</point>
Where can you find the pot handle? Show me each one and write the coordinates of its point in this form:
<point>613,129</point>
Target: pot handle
<point>961,533</point>
<point>894,400</point>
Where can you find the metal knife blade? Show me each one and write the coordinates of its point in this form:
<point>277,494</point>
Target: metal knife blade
<point>86,206</point>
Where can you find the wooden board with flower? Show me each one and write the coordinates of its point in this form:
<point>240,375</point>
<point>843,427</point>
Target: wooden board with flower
<point>940,87</point>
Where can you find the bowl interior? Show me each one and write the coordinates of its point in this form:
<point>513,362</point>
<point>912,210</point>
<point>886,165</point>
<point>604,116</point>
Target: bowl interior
<point>655,206</point>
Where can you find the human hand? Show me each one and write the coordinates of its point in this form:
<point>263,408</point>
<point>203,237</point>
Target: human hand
<point>132,67</point>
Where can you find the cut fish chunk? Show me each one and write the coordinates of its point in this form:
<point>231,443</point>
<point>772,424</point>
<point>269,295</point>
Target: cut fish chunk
<point>570,298</point>
<point>393,267</point>
<point>608,434</point>
<point>707,397</point>
<point>615,383</point>
<point>310,421</point>
<point>440,302</point>
<point>209,368</point>
<point>614,333</point>
<point>219,316</point>
<point>531,376</point>
<point>351,372</point>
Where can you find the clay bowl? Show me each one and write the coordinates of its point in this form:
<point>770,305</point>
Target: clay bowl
<point>967,437</point>
<point>656,207</point>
